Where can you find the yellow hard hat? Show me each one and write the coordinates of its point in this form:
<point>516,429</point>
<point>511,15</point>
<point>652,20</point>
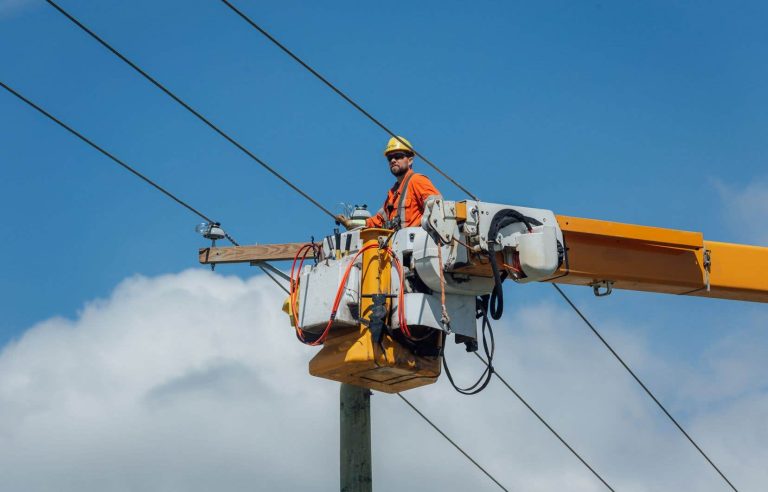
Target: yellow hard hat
<point>394,145</point>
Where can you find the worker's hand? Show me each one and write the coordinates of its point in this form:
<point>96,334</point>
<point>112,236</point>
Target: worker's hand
<point>343,220</point>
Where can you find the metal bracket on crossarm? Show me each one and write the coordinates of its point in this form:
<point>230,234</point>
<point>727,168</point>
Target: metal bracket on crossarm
<point>602,288</point>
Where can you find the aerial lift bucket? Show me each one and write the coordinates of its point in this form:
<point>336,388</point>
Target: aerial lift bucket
<point>352,356</point>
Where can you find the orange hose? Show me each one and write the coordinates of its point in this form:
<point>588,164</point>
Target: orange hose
<point>294,291</point>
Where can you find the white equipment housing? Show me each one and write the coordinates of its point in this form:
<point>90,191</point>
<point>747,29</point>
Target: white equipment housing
<point>325,277</point>
<point>539,249</point>
<point>527,237</point>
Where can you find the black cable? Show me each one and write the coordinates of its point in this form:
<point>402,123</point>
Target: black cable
<point>262,266</point>
<point>594,330</point>
<point>343,96</point>
<point>203,216</point>
<point>118,161</point>
<point>451,441</point>
<point>489,349</point>
<point>295,188</point>
<point>541,419</point>
<point>501,219</point>
<point>497,295</point>
<point>230,239</point>
<point>186,106</point>
<point>133,171</point>
<point>189,108</point>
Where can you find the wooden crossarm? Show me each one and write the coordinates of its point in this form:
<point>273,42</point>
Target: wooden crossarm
<point>249,254</point>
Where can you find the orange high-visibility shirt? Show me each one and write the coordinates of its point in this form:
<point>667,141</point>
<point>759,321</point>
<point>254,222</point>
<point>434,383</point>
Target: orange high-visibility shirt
<point>419,189</point>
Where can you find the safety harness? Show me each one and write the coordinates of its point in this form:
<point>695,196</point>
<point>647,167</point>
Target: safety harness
<point>399,220</point>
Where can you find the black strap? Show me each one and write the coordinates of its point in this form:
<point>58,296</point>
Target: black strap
<point>399,220</point>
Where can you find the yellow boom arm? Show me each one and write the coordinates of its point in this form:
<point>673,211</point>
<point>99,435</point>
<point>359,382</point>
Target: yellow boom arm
<point>623,256</point>
<point>660,260</point>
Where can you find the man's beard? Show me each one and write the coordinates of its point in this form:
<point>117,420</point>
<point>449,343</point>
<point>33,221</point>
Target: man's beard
<point>397,172</point>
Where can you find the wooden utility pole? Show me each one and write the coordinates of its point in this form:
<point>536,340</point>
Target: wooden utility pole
<point>355,439</point>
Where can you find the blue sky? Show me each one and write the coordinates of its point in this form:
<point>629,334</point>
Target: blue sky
<point>643,112</point>
<point>622,111</point>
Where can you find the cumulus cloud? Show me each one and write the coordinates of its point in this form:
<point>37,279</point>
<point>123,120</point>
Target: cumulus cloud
<point>746,209</point>
<point>194,381</point>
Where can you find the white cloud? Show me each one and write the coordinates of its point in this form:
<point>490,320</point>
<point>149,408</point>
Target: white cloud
<point>746,209</point>
<point>194,381</point>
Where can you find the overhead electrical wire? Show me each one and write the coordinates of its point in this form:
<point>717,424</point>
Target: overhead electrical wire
<point>392,134</point>
<point>294,187</point>
<point>196,211</point>
<point>541,419</point>
<point>130,169</point>
<point>206,218</point>
<point>264,267</point>
<point>190,108</point>
<point>320,77</point>
<point>452,442</point>
<point>642,385</point>
<point>108,154</point>
<point>202,216</point>
<point>343,95</point>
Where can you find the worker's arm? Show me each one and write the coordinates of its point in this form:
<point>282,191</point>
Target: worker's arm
<point>422,188</point>
<point>377,220</point>
<point>345,221</point>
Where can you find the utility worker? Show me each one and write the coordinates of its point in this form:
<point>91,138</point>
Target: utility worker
<point>405,201</point>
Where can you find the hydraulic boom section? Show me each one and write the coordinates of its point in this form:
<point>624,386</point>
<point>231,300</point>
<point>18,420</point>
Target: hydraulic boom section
<point>382,303</point>
<point>604,255</point>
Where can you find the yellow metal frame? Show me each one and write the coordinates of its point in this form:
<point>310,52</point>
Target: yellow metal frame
<point>627,256</point>
<point>738,271</point>
<point>352,356</point>
<point>654,259</point>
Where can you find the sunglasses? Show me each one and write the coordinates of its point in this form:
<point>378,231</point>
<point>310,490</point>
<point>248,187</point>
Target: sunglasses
<point>396,156</point>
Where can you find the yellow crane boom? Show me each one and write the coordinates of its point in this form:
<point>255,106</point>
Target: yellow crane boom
<point>654,259</point>
<point>453,257</point>
<point>602,253</point>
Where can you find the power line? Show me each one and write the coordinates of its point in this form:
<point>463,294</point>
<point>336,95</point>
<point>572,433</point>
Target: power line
<point>642,385</point>
<point>132,171</point>
<point>218,130</point>
<point>541,419</point>
<point>213,126</point>
<point>320,77</point>
<point>206,218</point>
<point>342,94</point>
<point>111,156</point>
<point>183,203</point>
<point>452,442</point>
<point>305,195</point>
<point>264,267</point>
<point>189,108</point>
